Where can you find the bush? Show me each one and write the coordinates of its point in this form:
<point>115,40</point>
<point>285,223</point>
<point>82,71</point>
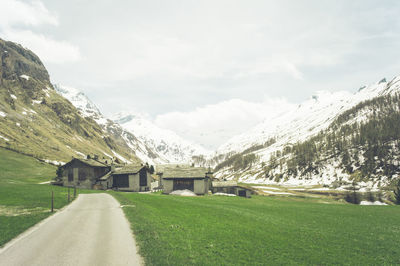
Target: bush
<point>353,197</point>
<point>370,196</point>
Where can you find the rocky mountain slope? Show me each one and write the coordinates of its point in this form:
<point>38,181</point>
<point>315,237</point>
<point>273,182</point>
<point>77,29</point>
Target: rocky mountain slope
<point>167,144</point>
<point>89,110</point>
<point>331,138</point>
<point>36,120</point>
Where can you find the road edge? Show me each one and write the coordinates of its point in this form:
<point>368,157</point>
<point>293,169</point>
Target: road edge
<point>34,227</point>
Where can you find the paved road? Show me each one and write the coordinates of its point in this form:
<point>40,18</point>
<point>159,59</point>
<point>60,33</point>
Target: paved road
<point>90,231</point>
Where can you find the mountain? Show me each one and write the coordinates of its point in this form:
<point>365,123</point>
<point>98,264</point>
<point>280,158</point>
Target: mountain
<point>171,147</point>
<point>89,110</point>
<point>330,138</point>
<point>36,120</point>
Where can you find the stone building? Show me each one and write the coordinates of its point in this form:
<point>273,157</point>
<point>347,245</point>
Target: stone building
<point>102,174</point>
<point>83,173</point>
<point>230,187</point>
<point>196,179</point>
<point>127,178</point>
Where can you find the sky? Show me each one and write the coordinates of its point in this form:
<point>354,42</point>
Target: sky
<point>220,65</point>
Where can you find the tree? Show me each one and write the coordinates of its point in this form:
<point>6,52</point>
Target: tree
<point>397,192</point>
<point>151,169</point>
<point>353,197</point>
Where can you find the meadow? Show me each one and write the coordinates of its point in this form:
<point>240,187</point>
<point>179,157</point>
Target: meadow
<point>218,230</point>
<point>23,201</point>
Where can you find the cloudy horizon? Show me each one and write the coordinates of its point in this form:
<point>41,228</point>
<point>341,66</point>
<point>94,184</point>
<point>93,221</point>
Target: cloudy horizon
<point>186,63</point>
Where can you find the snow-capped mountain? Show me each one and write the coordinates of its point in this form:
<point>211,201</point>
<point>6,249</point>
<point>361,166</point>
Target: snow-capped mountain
<point>312,117</point>
<point>171,147</point>
<point>149,142</point>
<point>88,109</point>
<point>303,121</point>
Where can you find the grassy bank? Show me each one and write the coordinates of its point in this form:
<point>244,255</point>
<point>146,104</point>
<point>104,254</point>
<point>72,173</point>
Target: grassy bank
<point>212,230</point>
<point>23,202</point>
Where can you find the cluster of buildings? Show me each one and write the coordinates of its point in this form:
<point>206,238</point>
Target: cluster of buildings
<point>95,173</point>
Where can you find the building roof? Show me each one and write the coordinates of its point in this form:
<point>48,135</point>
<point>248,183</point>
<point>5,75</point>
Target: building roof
<point>224,183</point>
<point>184,172</point>
<point>128,169</point>
<point>90,162</point>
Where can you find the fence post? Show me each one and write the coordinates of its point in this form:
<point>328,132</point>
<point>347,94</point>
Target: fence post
<point>52,201</point>
<point>68,195</point>
<point>74,192</point>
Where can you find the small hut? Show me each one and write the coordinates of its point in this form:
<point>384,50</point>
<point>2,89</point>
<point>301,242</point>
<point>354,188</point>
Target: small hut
<point>230,187</point>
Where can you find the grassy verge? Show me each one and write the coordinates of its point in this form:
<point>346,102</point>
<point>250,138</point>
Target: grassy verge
<point>211,230</point>
<point>23,202</point>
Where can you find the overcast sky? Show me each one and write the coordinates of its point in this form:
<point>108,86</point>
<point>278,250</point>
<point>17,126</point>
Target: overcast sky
<point>180,62</point>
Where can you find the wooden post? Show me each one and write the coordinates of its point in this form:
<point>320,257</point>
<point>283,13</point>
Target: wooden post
<point>68,195</point>
<point>52,201</point>
<point>74,192</point>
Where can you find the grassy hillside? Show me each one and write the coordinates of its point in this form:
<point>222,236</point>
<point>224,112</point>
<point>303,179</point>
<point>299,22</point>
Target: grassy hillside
<point>23,202</point>
<point>212,230</point>
<point>36,120</point>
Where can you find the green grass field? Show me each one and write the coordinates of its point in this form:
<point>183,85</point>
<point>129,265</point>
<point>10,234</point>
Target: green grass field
<point>212,230</point>
<point>23,202</point>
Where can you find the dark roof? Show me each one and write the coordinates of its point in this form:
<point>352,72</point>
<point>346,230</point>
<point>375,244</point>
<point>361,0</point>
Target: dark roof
<point>128,169</point>
<point>184,172</point>
<point>224,183</point>
<point>90,162</point>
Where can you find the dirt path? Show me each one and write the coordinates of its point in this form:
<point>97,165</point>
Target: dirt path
<point>90,231</point>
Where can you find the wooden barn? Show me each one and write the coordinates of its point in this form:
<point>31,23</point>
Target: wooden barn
<point>196,179</point>
<point>230,187</point>
<point>100,174</point>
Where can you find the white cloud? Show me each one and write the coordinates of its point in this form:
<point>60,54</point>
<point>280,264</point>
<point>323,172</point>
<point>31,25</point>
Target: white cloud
<point>213,124</point>
<point>48,49</point>
<point>14,14</point>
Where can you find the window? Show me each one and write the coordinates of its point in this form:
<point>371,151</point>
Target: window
<point>143,178</point>
<point>181,184</point>
<point>120,181</point>
<point>81,174</point>
<point>70,175</point>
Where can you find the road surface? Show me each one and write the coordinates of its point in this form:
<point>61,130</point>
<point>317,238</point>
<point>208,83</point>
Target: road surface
<point>92,230</point>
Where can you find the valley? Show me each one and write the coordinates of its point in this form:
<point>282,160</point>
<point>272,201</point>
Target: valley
<point>303,166</point>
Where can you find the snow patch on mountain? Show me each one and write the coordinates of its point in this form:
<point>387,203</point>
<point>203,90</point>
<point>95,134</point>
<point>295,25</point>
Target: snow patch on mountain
<point>24,77</point>
<point>80,101</point>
